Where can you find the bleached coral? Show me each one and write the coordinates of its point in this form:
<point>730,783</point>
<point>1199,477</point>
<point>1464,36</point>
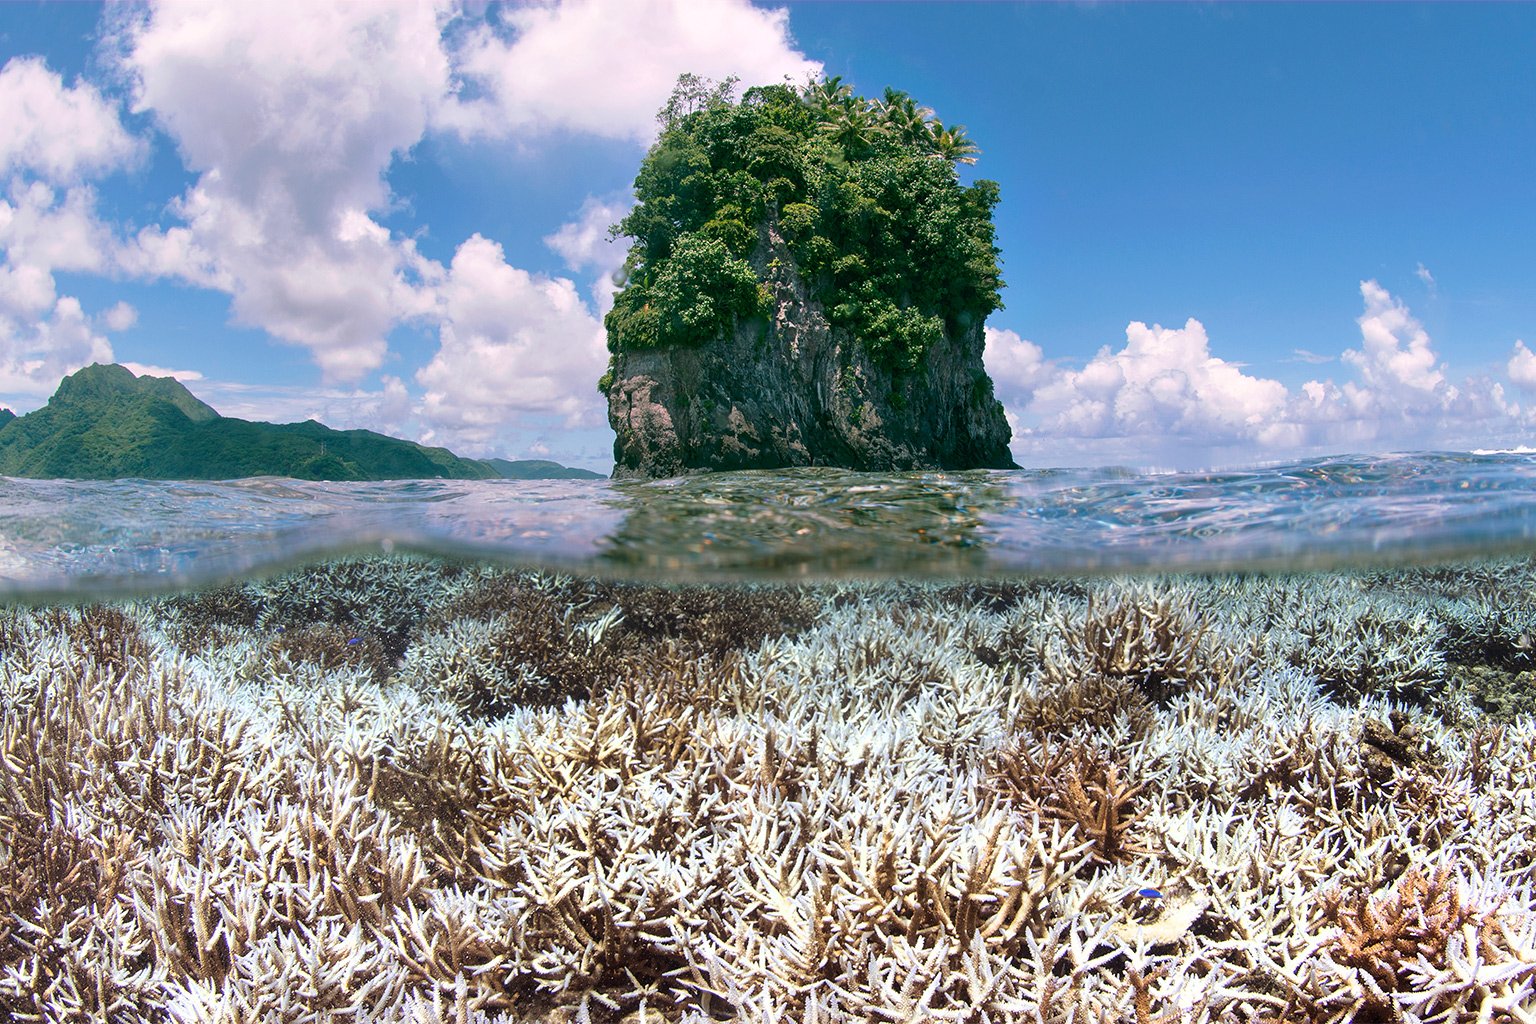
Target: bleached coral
<point>575,800</point>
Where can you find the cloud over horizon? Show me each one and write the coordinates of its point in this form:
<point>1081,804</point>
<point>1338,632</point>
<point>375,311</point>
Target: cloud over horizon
<point>272,137</point>
<point>1165,396</point>
<point>289,117</point>
<point>53,138</point>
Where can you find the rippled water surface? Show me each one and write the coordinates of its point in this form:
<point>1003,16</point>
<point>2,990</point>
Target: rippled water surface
<point>120,536</point>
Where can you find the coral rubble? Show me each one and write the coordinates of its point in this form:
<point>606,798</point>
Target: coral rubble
<point>414,791</point>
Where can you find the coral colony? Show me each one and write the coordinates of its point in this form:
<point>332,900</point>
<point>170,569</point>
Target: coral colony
<point>418,791</point>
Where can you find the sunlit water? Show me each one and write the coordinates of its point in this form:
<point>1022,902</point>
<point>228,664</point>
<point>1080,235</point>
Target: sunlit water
<point>59,537</point>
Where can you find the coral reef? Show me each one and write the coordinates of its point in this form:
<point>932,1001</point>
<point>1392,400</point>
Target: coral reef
<point>409,791</point>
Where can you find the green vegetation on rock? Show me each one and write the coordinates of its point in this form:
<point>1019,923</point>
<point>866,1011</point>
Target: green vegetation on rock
<point>865,193</point>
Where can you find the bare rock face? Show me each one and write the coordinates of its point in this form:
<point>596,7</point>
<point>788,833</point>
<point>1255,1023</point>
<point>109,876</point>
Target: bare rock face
<point>791,390</point>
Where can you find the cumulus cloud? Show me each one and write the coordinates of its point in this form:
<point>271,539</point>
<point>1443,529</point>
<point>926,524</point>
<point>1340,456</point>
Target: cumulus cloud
<point>585,244</point>
<point>40,232</point>
<point>1164,381</point>
<point>1017,366</point>
<point>1522,366</point>
<point>1164,395</point>
<point>511,344</point>
<point>51,138</point>
<point>555,66</point>
<point>1396,359</point>
<point>387,409</point>
<point>35,354</point>
<point>58,132</point>
<point>291,113</point>
<point>120,317</point>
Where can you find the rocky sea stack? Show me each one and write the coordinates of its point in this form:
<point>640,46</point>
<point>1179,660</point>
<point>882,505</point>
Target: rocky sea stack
<point>807,286</point>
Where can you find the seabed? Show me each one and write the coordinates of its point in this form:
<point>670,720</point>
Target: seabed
<point>408,790</point>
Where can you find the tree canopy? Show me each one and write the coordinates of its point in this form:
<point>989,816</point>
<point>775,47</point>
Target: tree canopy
<point>866,193</point>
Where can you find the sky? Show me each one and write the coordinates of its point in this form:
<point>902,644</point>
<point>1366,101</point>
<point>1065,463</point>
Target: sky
<point>1231,234</point>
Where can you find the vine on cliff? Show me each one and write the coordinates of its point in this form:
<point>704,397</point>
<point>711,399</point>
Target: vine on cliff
<point>866,193</point>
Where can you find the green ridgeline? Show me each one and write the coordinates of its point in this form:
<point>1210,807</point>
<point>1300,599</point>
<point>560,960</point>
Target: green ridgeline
<point>105,423</point>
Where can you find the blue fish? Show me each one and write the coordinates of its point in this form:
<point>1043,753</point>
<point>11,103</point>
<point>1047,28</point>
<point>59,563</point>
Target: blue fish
<point>354,641</point>
<point>1149,893</point>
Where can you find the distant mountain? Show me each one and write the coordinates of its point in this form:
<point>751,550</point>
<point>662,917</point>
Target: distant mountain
<point>104,423</point>
<point>538,469</point>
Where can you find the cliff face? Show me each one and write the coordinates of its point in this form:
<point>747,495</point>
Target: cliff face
<point>793,390</point>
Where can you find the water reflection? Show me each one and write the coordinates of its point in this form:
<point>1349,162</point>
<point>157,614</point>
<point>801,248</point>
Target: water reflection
<point>809,522</point>
<point>110,537</point>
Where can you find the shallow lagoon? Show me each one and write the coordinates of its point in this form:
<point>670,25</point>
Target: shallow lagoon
<point>415,788</point>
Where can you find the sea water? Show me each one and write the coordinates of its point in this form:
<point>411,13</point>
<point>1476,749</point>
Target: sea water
<point>811,745</point>
<point>60,537</point>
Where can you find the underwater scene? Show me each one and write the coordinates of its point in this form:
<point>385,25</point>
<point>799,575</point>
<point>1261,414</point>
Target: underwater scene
<point>808,746</point>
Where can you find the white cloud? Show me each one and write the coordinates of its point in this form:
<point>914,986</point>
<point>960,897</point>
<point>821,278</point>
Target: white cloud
<point>1423,274</point>
<point>1017,366</point>
<point>44,335</point>
<point>585,244</point>
<point>1396,359</point>
<point>1164,396</point>
<point>511,344</point>
<point>388,409</point>
<point>120,317</point>
<point>1522,366</point>
<point>36,354</point>
<point>291,113</point>
<point>149,370</point>
<point>1163,382</point>
<point>606,66</point>
<point>59,133</point>
<point>41,232</point>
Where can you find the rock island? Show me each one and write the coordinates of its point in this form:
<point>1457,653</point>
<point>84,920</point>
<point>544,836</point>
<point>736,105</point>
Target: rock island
<point>807,286</point>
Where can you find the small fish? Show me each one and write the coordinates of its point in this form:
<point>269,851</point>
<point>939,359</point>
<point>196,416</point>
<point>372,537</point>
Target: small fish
<point>354,641</point>
<point>1149,893</point>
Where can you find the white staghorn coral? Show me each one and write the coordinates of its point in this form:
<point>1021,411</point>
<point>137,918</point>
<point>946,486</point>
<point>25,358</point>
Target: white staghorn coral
<point>1150,801</point>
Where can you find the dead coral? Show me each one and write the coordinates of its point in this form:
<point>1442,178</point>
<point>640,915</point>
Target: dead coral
<point>1066,705</point>
<point>1077,786</point>
<point>1386,749</point>
<point>1427,927</point>
<point>100,633</point>
<point>329,647</point>
<point>855,820</point>
<point>711,621</point>
<point>1162,645</point>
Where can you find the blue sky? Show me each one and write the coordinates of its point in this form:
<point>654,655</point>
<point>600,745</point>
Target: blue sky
<point>1231,233</point>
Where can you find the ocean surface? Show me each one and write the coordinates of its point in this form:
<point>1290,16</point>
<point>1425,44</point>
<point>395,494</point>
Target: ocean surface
<point>62,538</point>
<point>408,789</point>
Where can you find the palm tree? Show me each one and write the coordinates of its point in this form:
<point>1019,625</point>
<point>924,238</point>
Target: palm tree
<point>951,142</point>
<point>907,120</point>
<point>855,128</point>
<point>829,95</point>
